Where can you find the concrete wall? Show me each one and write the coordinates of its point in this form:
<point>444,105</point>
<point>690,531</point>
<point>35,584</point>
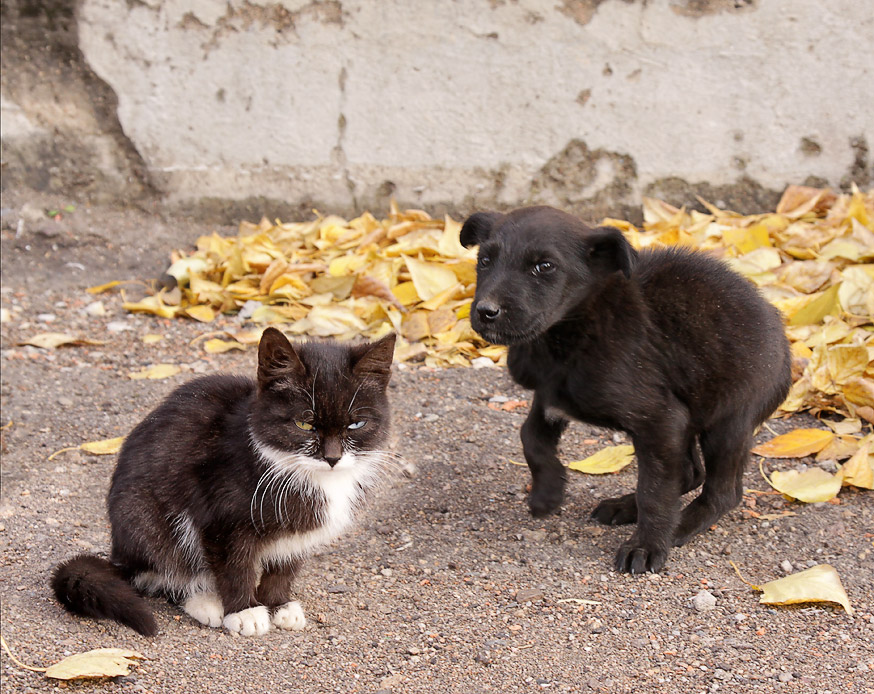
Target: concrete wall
<point>464,104</point>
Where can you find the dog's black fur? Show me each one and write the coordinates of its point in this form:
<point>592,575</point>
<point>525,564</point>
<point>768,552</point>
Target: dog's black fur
<point>668,345</point>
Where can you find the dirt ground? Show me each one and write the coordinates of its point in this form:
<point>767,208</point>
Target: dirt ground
<point>446,585</point>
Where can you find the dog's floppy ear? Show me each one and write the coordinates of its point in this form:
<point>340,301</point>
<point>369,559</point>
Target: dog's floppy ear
<point>607,250</point>
<point>478,228</point>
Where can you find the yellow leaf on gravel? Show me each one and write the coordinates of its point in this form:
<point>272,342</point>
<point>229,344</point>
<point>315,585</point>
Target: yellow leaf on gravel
<point>859,470</point>
<point>812,486</point>
<point>204,314</point>
<point>216,346</point>
<point>430,279</point>
<point>610,459</point>
<point>100,288</point>
<point>104,447</point>
<point>818,584</point>
<point>795,444</point>
<point>153,305</point>
<point>155,372</point>
<point>55,340</point>
<point>101,662</point>
<point>152,338</point>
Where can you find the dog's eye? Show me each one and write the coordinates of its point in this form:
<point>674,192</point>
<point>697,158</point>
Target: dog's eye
<point>484,261</point>
<point>544,267</point>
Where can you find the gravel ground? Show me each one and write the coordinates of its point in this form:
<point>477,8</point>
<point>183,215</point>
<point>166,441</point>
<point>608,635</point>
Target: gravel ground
<point>446,584</point>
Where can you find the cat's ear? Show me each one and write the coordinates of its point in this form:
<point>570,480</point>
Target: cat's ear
<point>277,359</point>
<point>373,359</point>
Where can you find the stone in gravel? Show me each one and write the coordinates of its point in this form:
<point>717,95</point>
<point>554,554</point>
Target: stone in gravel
<point>528,594</point>
<point>703,601</point>
<point>95,308</point>
<point>785,677</point>
<point>117,326</point>
<point>786,566</point>
<point>339,588</point>
<point>534,535</point>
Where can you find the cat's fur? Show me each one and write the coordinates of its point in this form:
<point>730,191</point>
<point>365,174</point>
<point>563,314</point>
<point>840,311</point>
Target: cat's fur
<point>668,345</point>
<point>222,490</point>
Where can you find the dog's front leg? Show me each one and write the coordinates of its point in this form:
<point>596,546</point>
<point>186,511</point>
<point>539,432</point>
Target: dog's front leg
<point>659,486</point>
<point>540,435</point>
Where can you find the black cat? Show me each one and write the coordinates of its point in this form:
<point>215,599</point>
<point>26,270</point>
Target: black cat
<point>668,345</point>
<point>223,489</point>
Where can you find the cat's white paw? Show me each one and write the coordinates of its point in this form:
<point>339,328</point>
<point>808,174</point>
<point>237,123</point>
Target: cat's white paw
<point>206,608</point>
<point>253,621</point>
<point>290,616</point>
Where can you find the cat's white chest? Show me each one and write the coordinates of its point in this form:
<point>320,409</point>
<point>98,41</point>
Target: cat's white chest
<point>342,494</point>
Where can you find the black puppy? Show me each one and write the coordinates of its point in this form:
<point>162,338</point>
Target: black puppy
<point>667,345</point>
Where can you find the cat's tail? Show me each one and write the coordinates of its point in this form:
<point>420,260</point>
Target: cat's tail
<point>90,586</point>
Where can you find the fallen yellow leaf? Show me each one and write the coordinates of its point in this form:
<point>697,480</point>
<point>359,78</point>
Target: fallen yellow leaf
<point>204,314</point>
<point>610,459</point>
<point>795,444</point>
<point>155,372</point>
<point>859,469</point>
<point>104,447</point>
<point>101,662</point>
<point>55,340</point>
<point>100,288</point>
<point>216,346</point>
<point>152,338</point>
<point>818,584</point>
<point>429,279</point>
<point>811,486</point>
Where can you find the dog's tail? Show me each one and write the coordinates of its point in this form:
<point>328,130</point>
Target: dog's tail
<point>93,587</point>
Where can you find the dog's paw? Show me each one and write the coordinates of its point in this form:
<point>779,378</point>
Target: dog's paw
<point>617,511</point>
<point>206,608</point>
<point>545,499</point>
<point>634,558</point>
<point>289,616</point>
<point>253,621</point>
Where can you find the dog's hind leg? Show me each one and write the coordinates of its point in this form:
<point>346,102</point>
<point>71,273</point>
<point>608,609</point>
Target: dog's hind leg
<point>540,436</point>
<point>726,449</point>
<point>623,509</point>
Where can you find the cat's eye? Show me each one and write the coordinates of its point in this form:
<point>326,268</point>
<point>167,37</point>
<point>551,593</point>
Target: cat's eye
<point>356,425</point>
<point>304,426</point>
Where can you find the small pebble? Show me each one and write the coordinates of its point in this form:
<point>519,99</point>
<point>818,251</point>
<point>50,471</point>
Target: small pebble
<point>786,566</point>
<point>117,326</point>
<point>704,601</point>
<point>95,308</point>
<point>528,594</point>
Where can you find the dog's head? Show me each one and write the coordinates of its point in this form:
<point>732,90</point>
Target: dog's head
<point>535,265</point>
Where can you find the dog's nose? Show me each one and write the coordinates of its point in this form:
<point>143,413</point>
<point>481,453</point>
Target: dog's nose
<point>488,311</point>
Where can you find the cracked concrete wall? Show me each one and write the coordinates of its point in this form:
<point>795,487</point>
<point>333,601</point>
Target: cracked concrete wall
<point>585,104</point>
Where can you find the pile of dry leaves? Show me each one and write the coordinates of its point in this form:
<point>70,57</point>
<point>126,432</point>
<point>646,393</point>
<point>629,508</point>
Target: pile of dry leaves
<point>812,258</point>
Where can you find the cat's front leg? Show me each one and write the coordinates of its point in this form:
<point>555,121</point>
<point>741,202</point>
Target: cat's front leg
<point>235,582</point>
<point>274,590</point>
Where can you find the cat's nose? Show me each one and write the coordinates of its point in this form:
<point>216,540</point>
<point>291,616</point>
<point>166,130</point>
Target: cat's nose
<point>332,451</point>
<point>488,310</point>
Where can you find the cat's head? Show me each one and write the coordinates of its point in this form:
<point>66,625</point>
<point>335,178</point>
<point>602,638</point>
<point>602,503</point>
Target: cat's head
<point>325,401</point>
